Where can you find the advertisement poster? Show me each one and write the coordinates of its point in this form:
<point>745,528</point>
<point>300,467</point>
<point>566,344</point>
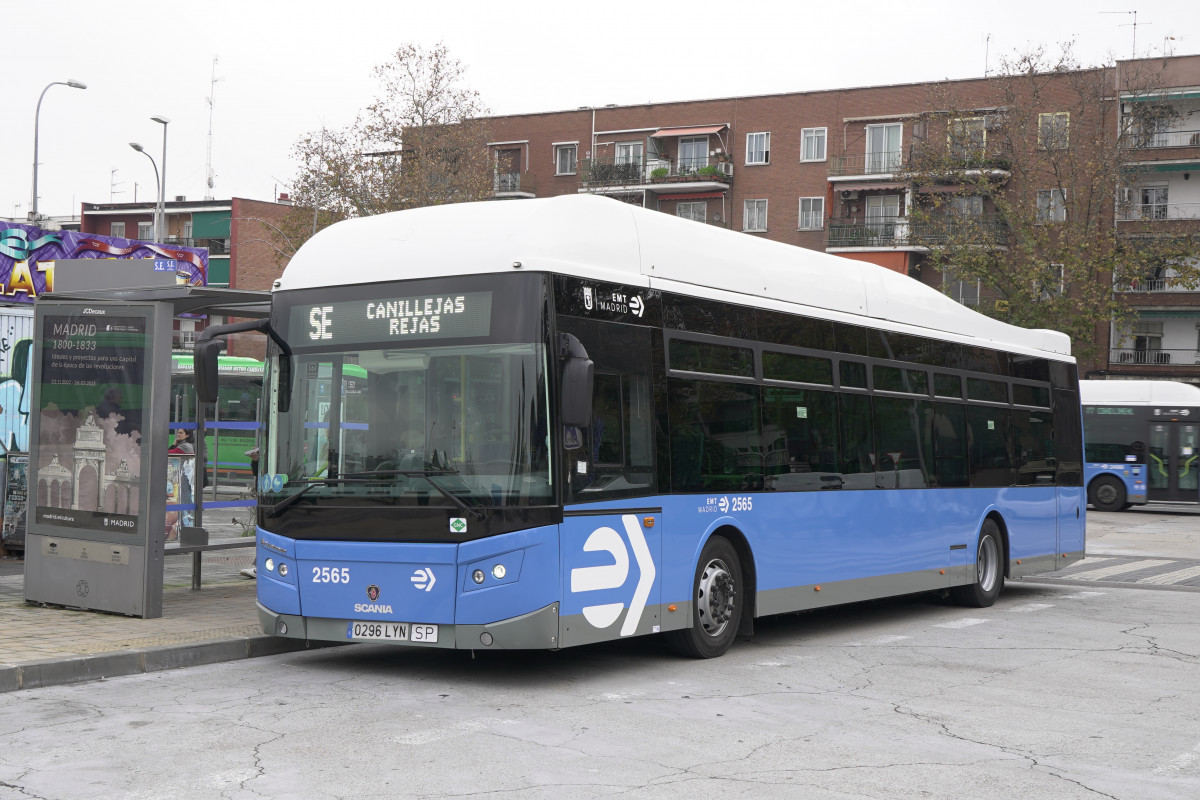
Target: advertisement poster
<point>16,488</point>
<point>89,448</point>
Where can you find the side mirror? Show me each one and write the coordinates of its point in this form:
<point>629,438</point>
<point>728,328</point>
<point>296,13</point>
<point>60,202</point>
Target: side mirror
<point>204,367</point>
<point>578,377</point>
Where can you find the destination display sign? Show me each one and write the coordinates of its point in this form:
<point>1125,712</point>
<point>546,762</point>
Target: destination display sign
<point>388,320</point>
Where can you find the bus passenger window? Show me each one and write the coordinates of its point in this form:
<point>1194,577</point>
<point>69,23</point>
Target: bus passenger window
<point>800,439</point>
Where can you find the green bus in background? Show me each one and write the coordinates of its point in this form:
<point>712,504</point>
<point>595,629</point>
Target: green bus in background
<point>233,429</point>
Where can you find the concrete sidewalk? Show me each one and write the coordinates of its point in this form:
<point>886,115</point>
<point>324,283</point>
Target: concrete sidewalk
<point>49,645</point>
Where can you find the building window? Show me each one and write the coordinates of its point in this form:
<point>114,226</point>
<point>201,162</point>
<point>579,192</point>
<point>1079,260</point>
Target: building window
<point>1052,205</point>
<point>1053,282</point>
<point>967,138</point>
<point>693,154</point>
<point>758,148</point>
<point>187,229</point>
<point>755,216</point>
<point>1154,202</point>
<point>812,213</point>
<point>693,211</point>
<point>145,231</point>
<point>564,158</point>
<point>883,148</point>
<point>629,153</point>
<point>812,144</point>
<point>966,206</point>
<point>116,229</point>
<point>962,291</point>
<point>1053,130</point>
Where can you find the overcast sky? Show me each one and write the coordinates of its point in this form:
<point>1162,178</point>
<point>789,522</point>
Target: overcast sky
<point>285,68</point>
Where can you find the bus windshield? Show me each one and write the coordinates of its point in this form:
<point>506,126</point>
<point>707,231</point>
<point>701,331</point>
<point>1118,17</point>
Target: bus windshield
<point>463,426</point>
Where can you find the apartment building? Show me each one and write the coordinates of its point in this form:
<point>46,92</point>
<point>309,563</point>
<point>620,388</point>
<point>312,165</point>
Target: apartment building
<point>241,253</point>
<point>835,171</point>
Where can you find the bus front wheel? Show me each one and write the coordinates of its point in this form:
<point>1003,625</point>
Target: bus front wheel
<point>989,570</point>
<point>1107,493</point>
<point>716,603</point>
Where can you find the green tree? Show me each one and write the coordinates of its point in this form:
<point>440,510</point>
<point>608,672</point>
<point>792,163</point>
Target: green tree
<point>422,142</point>
<point>1020,178</point>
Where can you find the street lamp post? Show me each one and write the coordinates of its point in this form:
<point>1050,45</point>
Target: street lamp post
<point>160,218</point>
<point>74,84</point>
<point>142,150</point>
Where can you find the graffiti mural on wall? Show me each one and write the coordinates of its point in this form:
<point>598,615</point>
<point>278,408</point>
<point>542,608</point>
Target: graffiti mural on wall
<point>14,397</point>
<point>28,253</point>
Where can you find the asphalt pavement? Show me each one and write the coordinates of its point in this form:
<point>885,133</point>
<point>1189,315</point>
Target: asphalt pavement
<point>44,645</point>
<point>1157,547</point>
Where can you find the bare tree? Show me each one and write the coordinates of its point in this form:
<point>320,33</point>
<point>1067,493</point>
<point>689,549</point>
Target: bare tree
<point>1020,184</point>
<point>422,142</point>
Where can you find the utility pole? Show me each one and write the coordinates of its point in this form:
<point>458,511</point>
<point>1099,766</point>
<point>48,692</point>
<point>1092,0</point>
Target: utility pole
<point>212,101</point>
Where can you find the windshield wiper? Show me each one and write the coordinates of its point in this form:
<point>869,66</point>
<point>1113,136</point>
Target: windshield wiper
<point>287,502</point>
<point>477,510</point>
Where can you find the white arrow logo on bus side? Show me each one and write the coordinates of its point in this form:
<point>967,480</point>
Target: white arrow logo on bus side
<point>424,579</point>
<point>612,576</point>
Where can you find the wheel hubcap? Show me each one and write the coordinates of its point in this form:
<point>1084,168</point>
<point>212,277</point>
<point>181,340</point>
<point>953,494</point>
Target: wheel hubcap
<point>1106,494</point>
<point>716,597</point>
<point>987,563</point>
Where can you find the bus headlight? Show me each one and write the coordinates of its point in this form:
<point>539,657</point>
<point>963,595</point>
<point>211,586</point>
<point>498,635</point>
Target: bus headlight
<point>499,571</point>
<point>283,570</point>
<point>269,564</point>
<point>477,576</point>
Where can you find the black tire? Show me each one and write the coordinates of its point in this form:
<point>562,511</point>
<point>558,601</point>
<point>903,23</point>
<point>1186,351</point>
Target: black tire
<point>1106,493</point>
<point>989,570</point>
<point>716,603</point>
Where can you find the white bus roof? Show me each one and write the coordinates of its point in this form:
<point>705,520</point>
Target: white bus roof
<point>607,240</point>
<point>1142,393</point>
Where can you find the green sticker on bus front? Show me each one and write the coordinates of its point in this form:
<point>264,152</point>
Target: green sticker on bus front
<point>458,524</point>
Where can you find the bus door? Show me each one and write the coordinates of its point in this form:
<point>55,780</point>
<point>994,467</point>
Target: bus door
<point>1173,461</point>
<point>610,574</point>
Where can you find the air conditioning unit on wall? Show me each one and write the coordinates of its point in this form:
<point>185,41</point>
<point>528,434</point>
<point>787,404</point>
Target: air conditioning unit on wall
<point>849,194</point>
<point>727,169</point>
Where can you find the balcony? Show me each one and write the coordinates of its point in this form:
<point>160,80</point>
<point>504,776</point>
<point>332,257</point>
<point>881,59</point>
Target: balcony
<point>514,184</point>
<point>892,231</point>
<point>1161,139</point>
<point>1156,286</point>
<point>1154,212</point>
<point>1129,356</point>
<point>608,175</point>
<point>215,247</point>
<point>884,163</point>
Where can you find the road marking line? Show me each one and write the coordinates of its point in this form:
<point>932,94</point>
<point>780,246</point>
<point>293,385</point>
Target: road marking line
<point>1105,572</point>
<point>965,622</point>
<point>1079,595</point>
<point>887,638</point>
<point>1030,607</point>
<point>1172,577</point>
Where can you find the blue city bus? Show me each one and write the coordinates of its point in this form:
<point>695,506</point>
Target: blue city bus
<point>1141,442</point>
<point>555,422</point>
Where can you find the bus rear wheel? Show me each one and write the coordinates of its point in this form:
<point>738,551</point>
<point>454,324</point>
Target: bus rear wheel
<point>989,570</point>
<point>716,603</point>
<point>1106,493</point>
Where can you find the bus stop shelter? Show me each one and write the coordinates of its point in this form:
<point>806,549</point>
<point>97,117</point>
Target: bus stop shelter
<point>97,471</point>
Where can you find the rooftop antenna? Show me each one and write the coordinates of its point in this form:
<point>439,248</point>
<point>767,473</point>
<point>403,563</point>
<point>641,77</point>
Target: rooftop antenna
<point>113,183</point>
<point>212,101</point>
<point>1134,25</point>
<point>986,48</point>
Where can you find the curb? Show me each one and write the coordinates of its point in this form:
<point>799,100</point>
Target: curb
<point>81,669</point>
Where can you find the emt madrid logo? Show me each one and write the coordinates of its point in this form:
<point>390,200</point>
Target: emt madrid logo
<point>613,576</point>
